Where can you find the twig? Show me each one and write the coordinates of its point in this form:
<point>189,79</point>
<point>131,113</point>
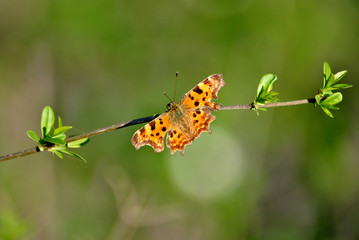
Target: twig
<point>269,105</point>
<point>19,154</point>
<point>148,119</point>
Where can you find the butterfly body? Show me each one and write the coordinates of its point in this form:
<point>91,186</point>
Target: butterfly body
<point>181,118</point>
<point>184,121</point>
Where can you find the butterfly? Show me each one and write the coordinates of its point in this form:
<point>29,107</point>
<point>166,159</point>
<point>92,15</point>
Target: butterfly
<point>184,121</point>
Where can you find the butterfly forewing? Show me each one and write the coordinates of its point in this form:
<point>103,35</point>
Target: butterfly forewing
<point>203,93</point>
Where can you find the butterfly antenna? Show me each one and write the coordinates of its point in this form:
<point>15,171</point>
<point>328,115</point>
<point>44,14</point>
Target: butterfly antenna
<point>164,93</point>
<point>174,97</point>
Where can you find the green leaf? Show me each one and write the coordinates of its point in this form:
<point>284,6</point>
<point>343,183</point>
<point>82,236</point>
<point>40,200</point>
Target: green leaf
<point>326,93</point>
<point>256,110</point>
<point>329,102</point>
<point>339,86</point>
<point>57,148</point>
<point>264,94</point>
<point>258,101</point>
<point>43,132</point>
<point>51,133</point>
<point>266,83</point>
<point>271,95</point>
<point>259,93</point>
<point>60,121</point>
<point>333,107</point>
<point>330,80</point>
<point>74,155</point>
<point>327,71</point>
<point>47,120</point>
<point>33,136</point>
<point>333,99</point>
<point>340,75</point>
<point>61,130</point>
<point>58,154</point>
<point>326,110</point>
<point>78,143</point>
<point>41,148</point>
<point>61,136</point>
<point>54,141</point>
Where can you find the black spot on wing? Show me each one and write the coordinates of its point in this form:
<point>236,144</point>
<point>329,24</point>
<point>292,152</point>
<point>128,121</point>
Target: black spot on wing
<point>152,125</point>
<point>197,90</point>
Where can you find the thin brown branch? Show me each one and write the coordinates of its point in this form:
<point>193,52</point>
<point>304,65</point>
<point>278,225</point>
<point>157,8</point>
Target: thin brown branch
<point>19,154</point>
<point>147,119</point>
<point>269,105</point>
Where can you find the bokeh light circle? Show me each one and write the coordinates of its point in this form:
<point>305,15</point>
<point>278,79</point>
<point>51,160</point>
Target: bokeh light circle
<point>212,166</point>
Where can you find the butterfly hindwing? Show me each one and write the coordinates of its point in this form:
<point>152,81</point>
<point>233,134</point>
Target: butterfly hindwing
<point>201,118</point>
<point>177,140</point>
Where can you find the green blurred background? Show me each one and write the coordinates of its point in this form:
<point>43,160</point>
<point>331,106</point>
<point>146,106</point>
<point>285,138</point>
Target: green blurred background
<point>291,173</point>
